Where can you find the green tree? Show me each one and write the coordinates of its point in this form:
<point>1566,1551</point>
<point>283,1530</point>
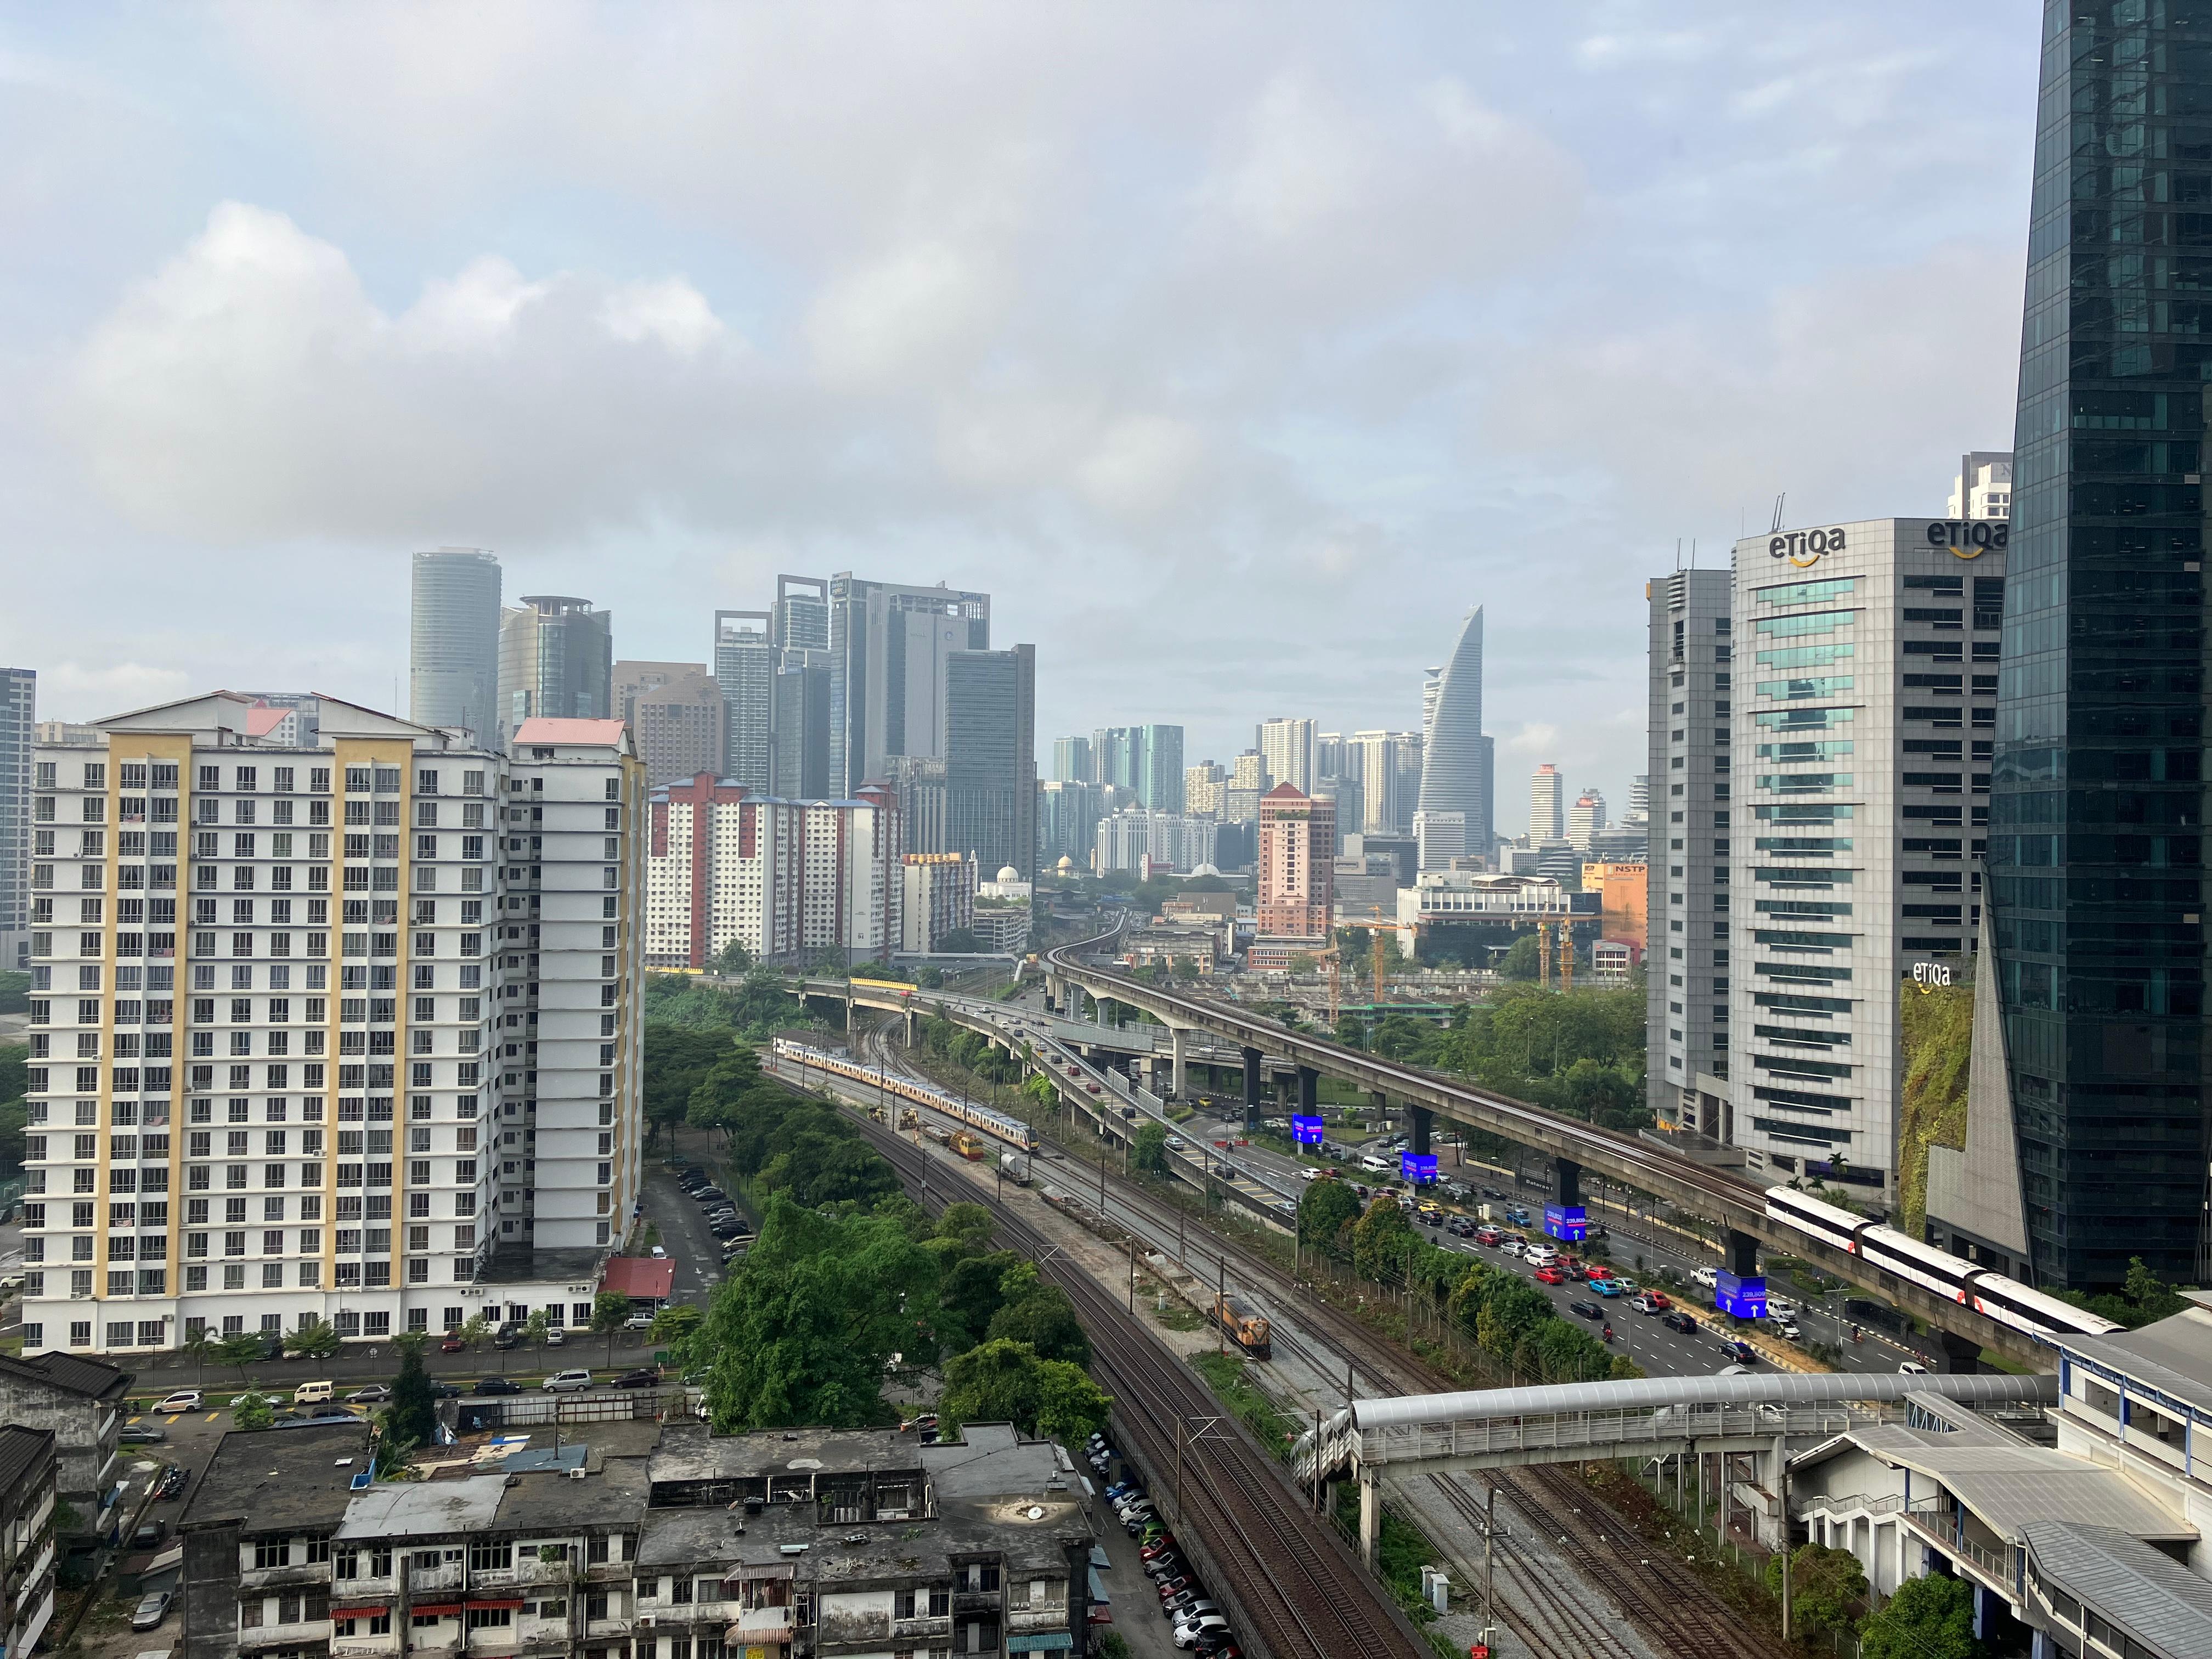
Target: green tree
<point>14,992</point>
<point>733,959</point>
<point>411,1419</point>
<point>2153,1296</point>
<point>476,1331</point>
<point>199,1344</point>
<point>1381,1240</point>
<point>1186,968</point>
<point>240,1349</point>
<point>673,1325</point>
<point>1006,1382</point>
<point>1149,1151</point>
<point>253,1412</point>
<point>676,1060</point>
<point>803,1330</point>
<point>1930,1618</point>
<point>608,1311</point>
<point>14,1070</point>
<point>537,1329</point>
<point>1824,1585</point>
<point>1040,1315</point>
<point>1521,960</point>
<point>959,941</point>
<point>1326,1209</point>
<point>318,1340</point>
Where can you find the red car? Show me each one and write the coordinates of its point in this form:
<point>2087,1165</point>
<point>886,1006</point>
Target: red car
<point>1550,1276</point>
<point>1659,1300</point>
<point>452,1345</point>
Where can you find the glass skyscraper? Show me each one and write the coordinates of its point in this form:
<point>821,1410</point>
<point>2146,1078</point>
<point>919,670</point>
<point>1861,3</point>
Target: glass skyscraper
<point>2097,802</point>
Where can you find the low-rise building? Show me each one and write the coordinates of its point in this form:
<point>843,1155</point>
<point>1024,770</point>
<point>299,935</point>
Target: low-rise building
<point>1001,925</point>
<point>80,1402</point>
<point>861,1541</point>
<point>1615,958</point>
<point>1165,946</point>
<point>29,1468</point>
<point>2051,1518</point>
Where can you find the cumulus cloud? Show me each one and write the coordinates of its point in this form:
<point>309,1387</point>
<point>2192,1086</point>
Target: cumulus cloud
<point>1304,329</point>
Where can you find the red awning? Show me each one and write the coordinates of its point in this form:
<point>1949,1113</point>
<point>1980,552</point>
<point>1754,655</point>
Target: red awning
<point>369,1612</point>
<point>441,1609</point>
<point>476,1606</point>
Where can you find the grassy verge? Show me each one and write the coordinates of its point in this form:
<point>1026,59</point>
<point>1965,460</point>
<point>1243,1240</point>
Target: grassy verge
<point>1226,1374</point>
<point>1401,1552</point>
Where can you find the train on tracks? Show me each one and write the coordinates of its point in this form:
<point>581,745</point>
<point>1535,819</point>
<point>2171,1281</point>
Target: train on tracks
<point>1000,1126</point>
<point>1245,1325</point>
<point>1993,1296</point>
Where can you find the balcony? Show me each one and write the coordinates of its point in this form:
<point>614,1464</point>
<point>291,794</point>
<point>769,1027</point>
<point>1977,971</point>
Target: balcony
<point>278,1578</point>
<point>364,1647</point>
<point>1944,1526</point>
<point>297,1634</point>
<point>446,1576</point>
<point>757,1625</point>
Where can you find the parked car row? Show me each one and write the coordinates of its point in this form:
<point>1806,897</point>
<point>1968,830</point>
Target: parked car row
<point>722,1217</point>
<point>1195,1620</point>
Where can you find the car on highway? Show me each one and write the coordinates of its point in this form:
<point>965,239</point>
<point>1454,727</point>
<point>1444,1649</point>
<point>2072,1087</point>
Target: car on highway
<point>567,1381</point>
<point>1651,1303</point>
<point>496,1385</point>
<point>1911,1368</point>
<point>644,1378</point>
<point>375,1394</point>
<point>1585,1309</point>
<point>1707,1277</point>
<point>1550,1275</point>
<point>184,1399</point>
<point>1605,1287</point>
<point>1787,1329</point>
<point>1679,1320</point>
<point>1541,1256</point>
<point>1489,1236</point>
<point>151,1610</point>
<point>1781,1307</point>
<point>1309,1174</point>
<point>1742,1352</point>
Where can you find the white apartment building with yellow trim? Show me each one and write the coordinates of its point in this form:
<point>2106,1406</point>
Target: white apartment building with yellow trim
<point>346,1033</point>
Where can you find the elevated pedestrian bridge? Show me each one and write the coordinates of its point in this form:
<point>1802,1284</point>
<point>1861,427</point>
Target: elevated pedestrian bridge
<point>1494,1428</point>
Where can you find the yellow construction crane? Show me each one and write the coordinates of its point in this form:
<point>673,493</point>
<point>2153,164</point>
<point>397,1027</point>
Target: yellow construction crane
<point>1380,958</point>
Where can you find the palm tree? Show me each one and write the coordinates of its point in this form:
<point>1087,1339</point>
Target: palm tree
<point>200,1342</point>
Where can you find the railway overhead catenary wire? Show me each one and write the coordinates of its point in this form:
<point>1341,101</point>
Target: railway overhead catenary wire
<point>1302,1595</point>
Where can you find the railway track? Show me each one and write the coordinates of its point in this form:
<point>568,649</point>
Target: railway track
<point>1677,1616</point>
<point>1660,1594</point>
<point>1530,1604</point>
<point>1302,1594</point>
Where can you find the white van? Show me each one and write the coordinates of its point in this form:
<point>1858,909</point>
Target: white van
<point>313,1394</point>
<point>1540,1256</point>
<point>1375,1165</point>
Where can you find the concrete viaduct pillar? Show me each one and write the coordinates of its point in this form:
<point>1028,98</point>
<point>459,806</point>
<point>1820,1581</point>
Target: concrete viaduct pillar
<point>1370,1517</point>
<point>1570,1178</point>
<point>1251,1088</point>
<point>1179,1077</point>
<point>1961,1358</point>
<point>1742,1252</point>
<point>1309,1086</point>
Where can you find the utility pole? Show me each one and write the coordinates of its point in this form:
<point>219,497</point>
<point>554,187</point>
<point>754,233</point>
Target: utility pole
<point>1133,1273</point>
<point>1489,1535</point>
<point>1221,1330</point>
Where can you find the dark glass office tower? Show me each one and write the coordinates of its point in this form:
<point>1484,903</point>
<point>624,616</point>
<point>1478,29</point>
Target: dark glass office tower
<point>2096,832</point>
<point>990,758</point>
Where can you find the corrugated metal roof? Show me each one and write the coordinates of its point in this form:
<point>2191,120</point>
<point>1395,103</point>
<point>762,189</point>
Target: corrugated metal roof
<point>1780,1388</point>
<point>2145,1591</point>
<point>2173,1356</point>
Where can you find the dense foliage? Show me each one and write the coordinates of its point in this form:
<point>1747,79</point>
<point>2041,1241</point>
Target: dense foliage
<point>757,1007</point>
<point>1579,1053</point>
<point>969,1050</point>
<point>1825,1586</point>
<point>1929,1618</point>
<point>1510,1319</point>
<point>804,1329</point>
<point>676,1060</point>
<point>786,1144</point>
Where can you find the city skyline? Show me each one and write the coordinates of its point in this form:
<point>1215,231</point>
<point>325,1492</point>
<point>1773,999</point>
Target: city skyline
<point>674,383</point>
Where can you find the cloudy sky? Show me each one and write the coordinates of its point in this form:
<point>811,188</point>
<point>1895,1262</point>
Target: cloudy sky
<point>1236,349</point>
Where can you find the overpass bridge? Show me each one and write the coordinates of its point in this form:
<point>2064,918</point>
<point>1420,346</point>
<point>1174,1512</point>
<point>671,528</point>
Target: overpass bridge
<point>1718,1195</point>
<point>1754,1420</point>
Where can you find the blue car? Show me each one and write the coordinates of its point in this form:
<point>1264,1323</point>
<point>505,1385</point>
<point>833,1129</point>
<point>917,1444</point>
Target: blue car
<point>1605,1287</point>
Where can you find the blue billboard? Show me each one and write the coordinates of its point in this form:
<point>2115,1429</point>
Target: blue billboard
<point>1419,1168</point>
<point>1306,1131</point>
<point>1744,1297</point>
<point>1567,1222</point>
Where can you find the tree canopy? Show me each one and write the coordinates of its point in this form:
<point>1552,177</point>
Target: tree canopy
<point>1008,1382</point>
<point>1929,1618</point>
